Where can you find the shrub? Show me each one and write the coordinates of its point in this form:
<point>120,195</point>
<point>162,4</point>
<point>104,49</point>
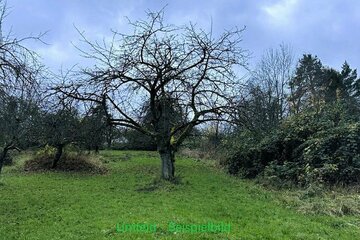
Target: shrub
<point>310,147</point>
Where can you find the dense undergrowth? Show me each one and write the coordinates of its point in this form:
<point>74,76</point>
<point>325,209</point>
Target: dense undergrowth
<point>311,148</point>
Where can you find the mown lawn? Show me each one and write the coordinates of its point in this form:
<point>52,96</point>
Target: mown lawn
<point>83,206</point>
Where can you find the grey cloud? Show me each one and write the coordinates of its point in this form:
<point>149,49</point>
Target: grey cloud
<point>329,29</point>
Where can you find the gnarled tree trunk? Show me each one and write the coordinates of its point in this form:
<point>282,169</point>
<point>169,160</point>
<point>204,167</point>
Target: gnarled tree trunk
<point>167,156</point>
<point>3,154</point>
<point>165,149</point>
<point>59,151</point>
<point>2,157</point>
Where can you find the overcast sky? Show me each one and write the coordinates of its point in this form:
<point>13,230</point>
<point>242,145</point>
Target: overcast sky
<point>329,29</point>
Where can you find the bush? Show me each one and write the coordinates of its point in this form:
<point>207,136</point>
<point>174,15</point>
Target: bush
<point>310,147</point>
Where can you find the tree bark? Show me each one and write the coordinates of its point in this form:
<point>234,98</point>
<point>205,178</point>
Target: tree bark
<point>109,137</point>
<point>2,157</point>
<point>59,151</point>
<point>4,152</point>
<point>167,156</point>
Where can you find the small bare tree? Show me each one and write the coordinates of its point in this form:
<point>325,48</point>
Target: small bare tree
<point>168,67</point>
<point>273,75</point>
<point>19,72</point>
<point>265,102</point>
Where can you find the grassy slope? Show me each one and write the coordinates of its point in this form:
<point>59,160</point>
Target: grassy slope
<point>78,206</point>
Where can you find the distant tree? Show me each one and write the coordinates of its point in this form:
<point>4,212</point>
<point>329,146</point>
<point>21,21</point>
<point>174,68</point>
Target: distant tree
<point>273,75</point>
<point>160,63</point>
<point>93,129</point>
<point>213,135</point>
<point>340,85</point>
<point>265,102</point>
<point>60,127</point>
<point>112,133</point>
<point>252,111</point>
<point>314,84</point>
<point>136,140</point>
<point>305,85</point>
<point>351,81</point>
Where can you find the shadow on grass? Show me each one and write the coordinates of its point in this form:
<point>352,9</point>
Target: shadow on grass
<point>163,185</point>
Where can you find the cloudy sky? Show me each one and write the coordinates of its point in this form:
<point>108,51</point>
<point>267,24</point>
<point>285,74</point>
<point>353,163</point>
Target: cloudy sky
<point>329,29</point>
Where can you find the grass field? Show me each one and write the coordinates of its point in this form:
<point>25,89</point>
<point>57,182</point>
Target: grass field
<point>82,206</point>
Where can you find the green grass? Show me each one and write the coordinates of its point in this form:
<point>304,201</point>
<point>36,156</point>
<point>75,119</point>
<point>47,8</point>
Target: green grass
<point>79,206</point>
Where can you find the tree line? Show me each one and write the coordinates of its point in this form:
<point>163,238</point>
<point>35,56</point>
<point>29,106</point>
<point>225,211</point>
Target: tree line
<point>311,138</point>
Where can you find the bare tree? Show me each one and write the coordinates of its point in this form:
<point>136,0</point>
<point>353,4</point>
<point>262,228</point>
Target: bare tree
<point>169,67</point>
<point>273,74</point>
<point>19,72</point>
<point>60,127</point>
<point>265,102</point>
